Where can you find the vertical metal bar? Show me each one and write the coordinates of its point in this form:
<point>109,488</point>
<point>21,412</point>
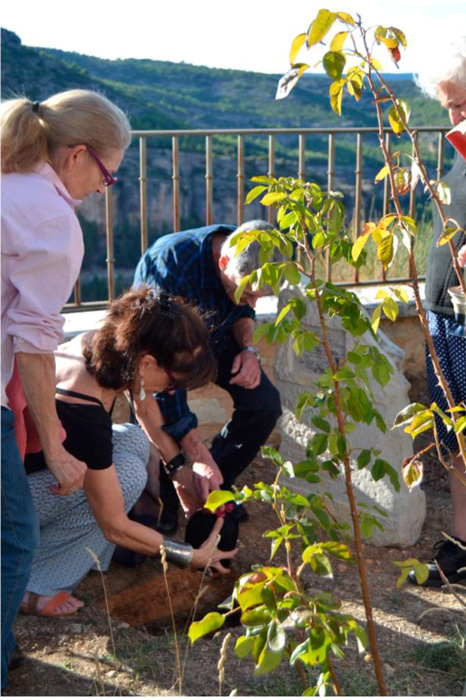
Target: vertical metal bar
<point>357,196</point>
<point>143,192</point>
<point>77,292</point>
<point>176,182</point>
<point>330,176</point>
<point>386,192</point>
<point>440,154</point>
<point>110,254</point>
<point>208,181</point>
<point>271,172</point>
<point>412,192</point>
<point>240,182</point>
<point>302,156</point>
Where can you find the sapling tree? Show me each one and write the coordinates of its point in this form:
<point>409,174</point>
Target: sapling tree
<point>283,619</point>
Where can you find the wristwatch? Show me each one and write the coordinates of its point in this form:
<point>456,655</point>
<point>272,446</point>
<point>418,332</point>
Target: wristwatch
<point>175,465</point>
<point>253,349</point>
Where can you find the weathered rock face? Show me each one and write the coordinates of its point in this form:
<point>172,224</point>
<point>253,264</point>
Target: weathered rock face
<point>406,510</point>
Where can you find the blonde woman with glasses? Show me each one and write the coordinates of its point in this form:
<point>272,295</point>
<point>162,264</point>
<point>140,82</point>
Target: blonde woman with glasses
<point>54,154</point>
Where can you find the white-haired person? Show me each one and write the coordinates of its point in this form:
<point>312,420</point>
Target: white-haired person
<point>446,82</point>
<point>200,266</point>
<point>54,154</point>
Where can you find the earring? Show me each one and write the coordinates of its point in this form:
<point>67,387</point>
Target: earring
<point>142,393</point>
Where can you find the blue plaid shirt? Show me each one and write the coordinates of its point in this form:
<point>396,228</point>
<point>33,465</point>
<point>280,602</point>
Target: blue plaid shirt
<point>182,264</point>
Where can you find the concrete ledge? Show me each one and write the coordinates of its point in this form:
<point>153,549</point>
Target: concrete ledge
<point>266,310</point>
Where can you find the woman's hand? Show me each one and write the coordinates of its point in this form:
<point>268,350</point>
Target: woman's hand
<point>209,555</point>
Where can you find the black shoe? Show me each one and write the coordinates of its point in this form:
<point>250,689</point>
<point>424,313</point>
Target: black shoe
<point>450,558</point>
<point>16,660</point>
<point>240,513</point>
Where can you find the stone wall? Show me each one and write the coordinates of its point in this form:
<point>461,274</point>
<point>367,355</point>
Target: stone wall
<point>406,510</point>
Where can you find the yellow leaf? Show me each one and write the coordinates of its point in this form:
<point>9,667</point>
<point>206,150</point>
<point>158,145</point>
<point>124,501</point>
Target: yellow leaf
<point>338,41</point>
<point>336,95</point>
<point>386,220</point>
<point>382,174</point>
<point>376,318</point>
<point>320,27</point>
<point>378,234</point>
<point>358,245</point>
<point>386,250</point>
<point>412,473</point>
<point>296,46</point>
<point>399,35</point>
<point>447,235</point>
<point>375,63</point>
<point>345,17</point>
<point>390,308</point>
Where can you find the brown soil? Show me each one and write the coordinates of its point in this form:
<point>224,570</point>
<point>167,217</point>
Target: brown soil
<point>76,656</point>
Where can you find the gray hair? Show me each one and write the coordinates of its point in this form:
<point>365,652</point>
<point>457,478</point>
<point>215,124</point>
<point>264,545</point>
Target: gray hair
<point>449,66</point>
<point>248,260</point>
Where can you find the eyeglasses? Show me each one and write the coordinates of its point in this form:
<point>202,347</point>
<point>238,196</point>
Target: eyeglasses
<point>108,178</point>
<point>172,380</point>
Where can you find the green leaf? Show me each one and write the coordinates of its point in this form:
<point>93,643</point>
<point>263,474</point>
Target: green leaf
<point>292,275</point>
<point>268,661</point>
<point>320,27</point>
<point>283,313</point>
<point>243,646</point>
<point>460,425</point>
<point>447,235</point>
<point>272,198</point>
<point>250,595</point>
<point>211,622</point>
<point>276,637</point>
<point>241,287</point>
<point>408,413</point>
<point>255,192</point>
<point>334,63</point>
<point>217,499</point>
<point>318,444</point>
<point>300,650</point>
<point>364,458</point>
<point>321,424</point>
<point>255,618</point>
<point>378,469</point>
<point>273,454</point>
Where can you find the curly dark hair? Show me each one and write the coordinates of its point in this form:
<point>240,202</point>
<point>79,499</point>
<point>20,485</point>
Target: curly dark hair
<point>143,322</point>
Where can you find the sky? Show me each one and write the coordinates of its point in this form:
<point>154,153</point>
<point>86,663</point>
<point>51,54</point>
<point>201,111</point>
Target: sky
<point>245,34</point>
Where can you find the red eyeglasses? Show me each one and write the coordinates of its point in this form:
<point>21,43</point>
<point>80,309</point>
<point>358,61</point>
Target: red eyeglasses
<point>108,178</point>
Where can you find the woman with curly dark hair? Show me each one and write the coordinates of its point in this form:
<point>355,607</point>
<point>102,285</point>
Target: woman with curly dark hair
<point>146,344</point>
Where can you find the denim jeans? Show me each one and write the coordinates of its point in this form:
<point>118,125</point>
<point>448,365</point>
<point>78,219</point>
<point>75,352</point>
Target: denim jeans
<point>20,536</point>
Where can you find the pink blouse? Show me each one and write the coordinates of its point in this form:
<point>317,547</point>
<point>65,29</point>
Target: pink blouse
<point>42,252</point>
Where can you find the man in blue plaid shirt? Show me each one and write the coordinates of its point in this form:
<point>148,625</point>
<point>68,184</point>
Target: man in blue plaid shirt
<point>199,266</point>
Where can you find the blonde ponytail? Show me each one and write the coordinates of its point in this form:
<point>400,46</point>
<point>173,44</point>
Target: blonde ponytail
<point>32,132</point>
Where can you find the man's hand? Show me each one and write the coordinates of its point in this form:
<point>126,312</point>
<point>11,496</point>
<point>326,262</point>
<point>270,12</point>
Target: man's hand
<point>246,370</point>
<point>187,488</point>
<point>462,256</point>
<point>68,471</point>
<point>209,477</point>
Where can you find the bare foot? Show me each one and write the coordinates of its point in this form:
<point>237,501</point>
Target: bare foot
<point>68,607</point>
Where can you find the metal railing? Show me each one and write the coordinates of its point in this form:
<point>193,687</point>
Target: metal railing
<point>242,134</point>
